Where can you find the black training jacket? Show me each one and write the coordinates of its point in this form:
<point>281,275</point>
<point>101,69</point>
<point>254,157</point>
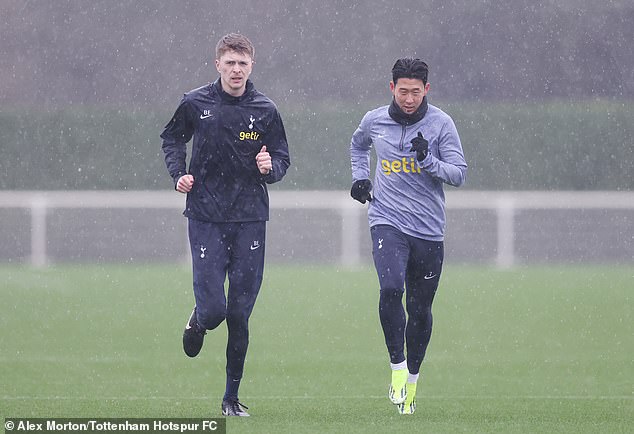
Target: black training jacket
<point>228,132</point>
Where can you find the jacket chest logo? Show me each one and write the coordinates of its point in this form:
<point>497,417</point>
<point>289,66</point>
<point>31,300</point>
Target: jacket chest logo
<point>206,114</point>
<point>250,135</point>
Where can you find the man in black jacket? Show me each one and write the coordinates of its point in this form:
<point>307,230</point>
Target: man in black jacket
<point>239,146</point>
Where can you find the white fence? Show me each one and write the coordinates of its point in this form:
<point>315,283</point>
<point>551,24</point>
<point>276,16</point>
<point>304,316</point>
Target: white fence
<point>504,228</point>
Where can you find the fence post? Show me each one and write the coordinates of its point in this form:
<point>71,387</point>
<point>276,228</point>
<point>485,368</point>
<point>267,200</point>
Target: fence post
<point>506,232</point>
<point>350,235</point>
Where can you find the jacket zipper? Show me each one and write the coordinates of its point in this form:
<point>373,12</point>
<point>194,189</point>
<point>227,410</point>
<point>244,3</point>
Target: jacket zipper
<point>400,145</point>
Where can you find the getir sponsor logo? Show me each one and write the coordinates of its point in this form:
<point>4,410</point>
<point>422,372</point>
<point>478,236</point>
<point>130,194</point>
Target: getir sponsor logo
<point>249,135</point>
<point>398,166</point>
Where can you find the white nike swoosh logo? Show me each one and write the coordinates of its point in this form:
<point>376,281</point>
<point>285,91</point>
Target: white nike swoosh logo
<point>254,247</point>
<point>429,277</point>
<point>205,116</point>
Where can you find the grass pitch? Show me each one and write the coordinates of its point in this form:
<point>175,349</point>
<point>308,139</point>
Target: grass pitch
<point>539,349</point>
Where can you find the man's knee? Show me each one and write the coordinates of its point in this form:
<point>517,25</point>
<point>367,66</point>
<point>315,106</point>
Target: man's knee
<point>392,292</point>
<point>211,317</point>
<point>238,317</point>
<point>419,313</point>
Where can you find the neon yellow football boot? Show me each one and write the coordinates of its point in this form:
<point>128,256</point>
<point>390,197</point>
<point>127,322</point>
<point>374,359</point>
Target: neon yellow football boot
<point>409,405</point>
<point>398,392</point>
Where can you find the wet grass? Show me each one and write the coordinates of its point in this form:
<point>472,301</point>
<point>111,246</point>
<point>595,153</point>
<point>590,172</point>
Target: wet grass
<point>536,349</point>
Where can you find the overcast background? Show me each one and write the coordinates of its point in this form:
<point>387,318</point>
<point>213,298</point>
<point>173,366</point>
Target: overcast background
<point>542,92</point>
<point>149,52</point>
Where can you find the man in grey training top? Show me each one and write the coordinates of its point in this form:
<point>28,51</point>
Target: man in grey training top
<point>418,150</point>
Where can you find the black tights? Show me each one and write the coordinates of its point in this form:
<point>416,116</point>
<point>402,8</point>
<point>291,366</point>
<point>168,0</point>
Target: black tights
<point>405,263</point>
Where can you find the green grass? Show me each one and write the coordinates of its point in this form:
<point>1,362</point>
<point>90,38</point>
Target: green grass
<point>539,349</point>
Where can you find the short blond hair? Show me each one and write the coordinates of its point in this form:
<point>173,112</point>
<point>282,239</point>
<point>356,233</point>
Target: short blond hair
<point>235,42</point>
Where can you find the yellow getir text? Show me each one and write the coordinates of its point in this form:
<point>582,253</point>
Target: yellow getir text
<point>406,165</point>
<point>249,135</point>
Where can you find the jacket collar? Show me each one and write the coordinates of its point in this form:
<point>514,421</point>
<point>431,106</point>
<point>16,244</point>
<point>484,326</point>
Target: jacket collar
<point>230,98</point>
<point>403,118</point>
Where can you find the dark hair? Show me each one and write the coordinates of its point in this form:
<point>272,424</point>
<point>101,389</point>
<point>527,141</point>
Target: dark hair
<point>408,67</point>
<point>234,42</point>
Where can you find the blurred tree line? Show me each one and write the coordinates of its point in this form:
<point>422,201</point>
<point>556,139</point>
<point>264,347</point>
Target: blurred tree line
<point>542,91</point>
<point>546,146</point>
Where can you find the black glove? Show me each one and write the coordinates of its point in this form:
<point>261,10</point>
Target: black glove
<point>420,145</point>
<point>361,190</point>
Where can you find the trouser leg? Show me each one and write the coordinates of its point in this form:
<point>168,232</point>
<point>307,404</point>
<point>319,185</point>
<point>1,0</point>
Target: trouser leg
<point>390,252</point>
<point>422,278</point>
<point>209,243</point>
<point>245,273</point>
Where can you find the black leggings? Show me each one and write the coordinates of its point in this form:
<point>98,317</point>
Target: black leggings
<point>403,261</point>
<point>236,251</point>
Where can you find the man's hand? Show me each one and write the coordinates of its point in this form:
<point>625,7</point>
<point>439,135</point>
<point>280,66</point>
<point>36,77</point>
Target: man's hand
<point>361,190</point>
<point>263,160</point>
<point>185,184</point>
<point>420,145</point>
